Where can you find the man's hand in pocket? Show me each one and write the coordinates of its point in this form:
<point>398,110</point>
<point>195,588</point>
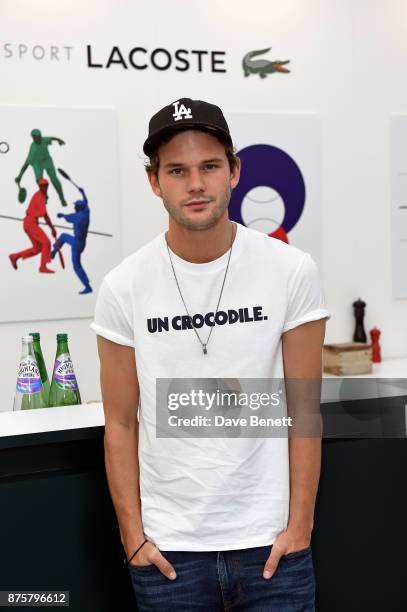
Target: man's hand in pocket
<point>286,542</point>
<point>149,554</point>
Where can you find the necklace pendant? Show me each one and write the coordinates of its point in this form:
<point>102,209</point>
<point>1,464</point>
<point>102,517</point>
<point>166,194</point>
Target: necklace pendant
<point>204,349</point>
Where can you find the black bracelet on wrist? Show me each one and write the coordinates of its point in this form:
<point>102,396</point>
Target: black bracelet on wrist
<point>126,562</point>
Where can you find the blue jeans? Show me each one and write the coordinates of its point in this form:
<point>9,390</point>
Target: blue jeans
<point>227,580</point>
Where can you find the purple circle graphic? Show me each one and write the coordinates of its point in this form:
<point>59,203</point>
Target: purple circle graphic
<point>268,166</point>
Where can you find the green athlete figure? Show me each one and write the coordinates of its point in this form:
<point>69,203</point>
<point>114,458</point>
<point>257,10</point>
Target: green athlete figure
<point>40,160</point>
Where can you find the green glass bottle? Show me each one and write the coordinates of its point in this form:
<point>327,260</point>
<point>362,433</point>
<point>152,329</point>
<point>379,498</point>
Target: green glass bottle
<point>64,388</point>
<point>29,391</point>
<point>41,365</point>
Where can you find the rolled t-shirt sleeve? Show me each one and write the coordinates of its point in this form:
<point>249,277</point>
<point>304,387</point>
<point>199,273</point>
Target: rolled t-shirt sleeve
<point>305,296</point>
<point>110,320</point>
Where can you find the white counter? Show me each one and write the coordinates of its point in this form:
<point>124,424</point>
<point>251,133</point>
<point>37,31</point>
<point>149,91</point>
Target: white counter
<point>51,419</point>
<point>91,415</point>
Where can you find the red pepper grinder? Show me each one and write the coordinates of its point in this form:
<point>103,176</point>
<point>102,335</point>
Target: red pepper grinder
<point>376,351</point>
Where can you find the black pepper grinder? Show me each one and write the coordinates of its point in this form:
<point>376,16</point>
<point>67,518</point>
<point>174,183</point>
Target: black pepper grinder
<point>359,312</point>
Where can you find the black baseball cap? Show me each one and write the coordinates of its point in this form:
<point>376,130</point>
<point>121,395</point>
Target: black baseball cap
<point>184,114</point>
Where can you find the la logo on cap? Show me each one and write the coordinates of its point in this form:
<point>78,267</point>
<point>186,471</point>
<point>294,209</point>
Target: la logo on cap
<point>181,112</point>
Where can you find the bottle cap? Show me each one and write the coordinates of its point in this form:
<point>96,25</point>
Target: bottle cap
<point>62,337</point>
<point>27,339</point>
<point>35,335</point>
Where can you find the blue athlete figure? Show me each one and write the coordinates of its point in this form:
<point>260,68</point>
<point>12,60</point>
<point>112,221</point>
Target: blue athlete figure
<point>80,219</point>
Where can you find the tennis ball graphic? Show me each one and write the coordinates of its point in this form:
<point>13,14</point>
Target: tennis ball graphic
<point>263,209</point>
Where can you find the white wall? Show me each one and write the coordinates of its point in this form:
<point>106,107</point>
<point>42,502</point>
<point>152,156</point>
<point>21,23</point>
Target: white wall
<point>348,65</point>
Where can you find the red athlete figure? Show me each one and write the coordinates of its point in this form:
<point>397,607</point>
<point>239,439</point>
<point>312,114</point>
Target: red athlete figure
<point>41,242</point>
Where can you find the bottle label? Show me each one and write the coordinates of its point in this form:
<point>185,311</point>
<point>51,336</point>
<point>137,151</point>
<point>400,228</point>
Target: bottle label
<point>28,379</point>
<point>64,374</point>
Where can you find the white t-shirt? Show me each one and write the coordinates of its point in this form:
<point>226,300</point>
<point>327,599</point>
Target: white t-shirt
<point>201,494</point>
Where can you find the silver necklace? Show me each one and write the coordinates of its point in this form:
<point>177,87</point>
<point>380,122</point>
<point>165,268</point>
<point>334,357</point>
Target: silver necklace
<point>203,344</point>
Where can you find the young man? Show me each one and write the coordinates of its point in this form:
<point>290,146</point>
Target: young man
<point>208,523</point>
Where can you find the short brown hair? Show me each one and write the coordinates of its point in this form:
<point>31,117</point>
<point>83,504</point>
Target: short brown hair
<point>153,164</point>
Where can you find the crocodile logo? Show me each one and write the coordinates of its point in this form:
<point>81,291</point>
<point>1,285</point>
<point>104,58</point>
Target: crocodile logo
<point>262,67</point>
